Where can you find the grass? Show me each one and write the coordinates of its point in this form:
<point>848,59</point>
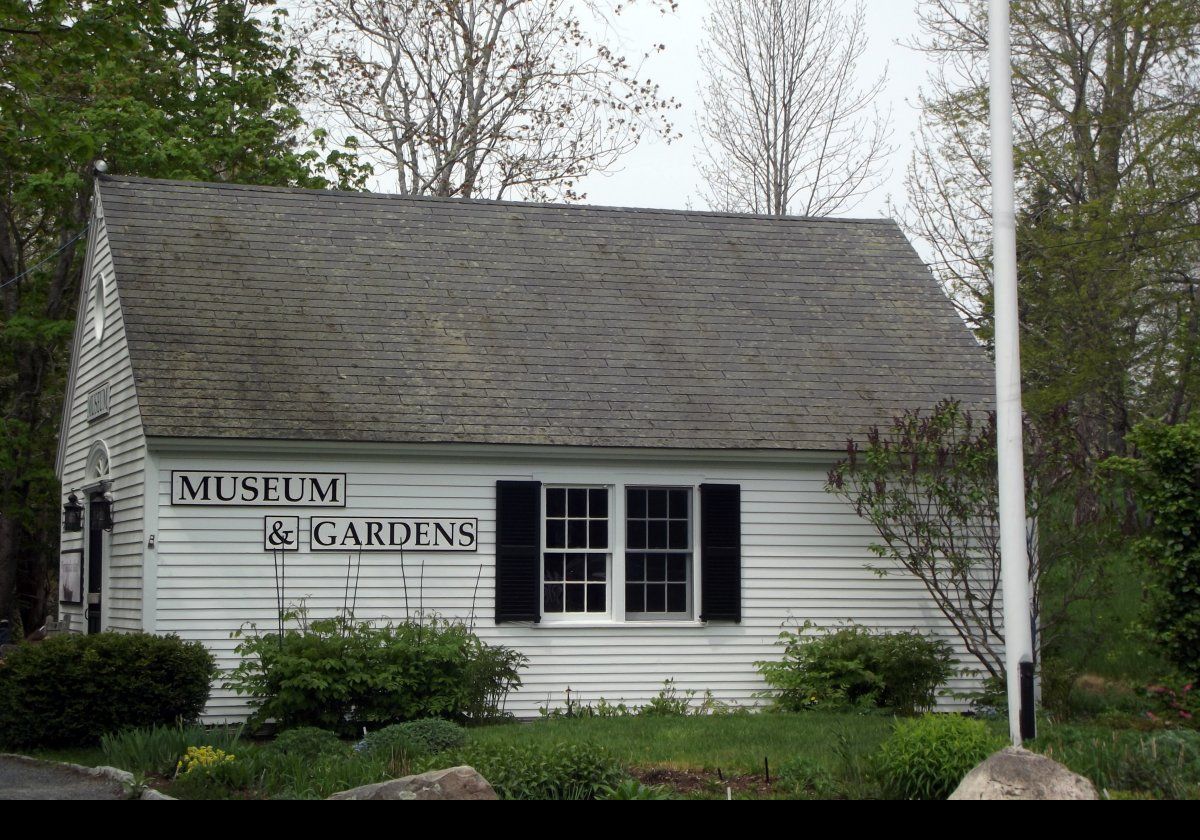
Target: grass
<point>83,756</point>
<point>734,743</point>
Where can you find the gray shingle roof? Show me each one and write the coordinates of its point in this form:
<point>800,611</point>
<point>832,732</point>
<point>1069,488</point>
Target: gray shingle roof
<point>259,312</point>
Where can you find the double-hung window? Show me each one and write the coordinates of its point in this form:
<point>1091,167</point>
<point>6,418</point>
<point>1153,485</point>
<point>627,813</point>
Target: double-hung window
<point>658,553</point>
<point>577,556</point>
<point>653,573</point>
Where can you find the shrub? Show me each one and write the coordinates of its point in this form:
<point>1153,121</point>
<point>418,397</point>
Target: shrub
<point>307,742</point>
<point>1175,704</point>
<point>71,690</point>
<point>926,758</point>
<point>633,789</point>
<point>395,744</point>
<point>156,750</point>
<point>433,735</point>
<point>340,675</point>
<point>557,771</point>
<point>851,667</point>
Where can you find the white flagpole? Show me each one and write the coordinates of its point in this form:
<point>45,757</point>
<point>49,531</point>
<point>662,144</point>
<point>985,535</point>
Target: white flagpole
<point>1018,642</point>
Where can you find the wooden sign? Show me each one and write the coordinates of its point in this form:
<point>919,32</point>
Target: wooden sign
<point>410,534</point>
<point>258,489</point>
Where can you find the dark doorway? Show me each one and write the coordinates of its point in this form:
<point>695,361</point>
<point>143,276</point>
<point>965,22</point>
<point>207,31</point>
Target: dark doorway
<point>95,584</point>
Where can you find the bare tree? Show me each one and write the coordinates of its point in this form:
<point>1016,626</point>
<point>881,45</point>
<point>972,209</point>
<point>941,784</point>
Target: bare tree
<point>787,127</point>
<point>481,97</point>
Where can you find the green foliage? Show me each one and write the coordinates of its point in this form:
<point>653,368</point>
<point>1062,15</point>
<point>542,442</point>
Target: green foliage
<point>927,757</point>
<point>186,89</point>
<point>542,771</point>
<point>851,667</point>
<point>430,735</point>
<point>342,674</point>
<point>1164,764</point>
<point>308,743</point>
<point>71,690</point>
<point>156,750</point>
<point>633,789</point>
<point>1177,704</point>
<point>809,777</point>
<point>1166,483</point>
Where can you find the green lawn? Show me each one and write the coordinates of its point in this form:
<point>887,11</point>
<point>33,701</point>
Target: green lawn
<point>734,743</point>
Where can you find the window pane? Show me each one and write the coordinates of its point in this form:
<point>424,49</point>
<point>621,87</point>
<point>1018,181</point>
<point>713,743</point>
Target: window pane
<point>677,597</point>
<point>656,503</point>
<point>635,503</point>
<point>556,501</point>
<point>598,533</point>
<point>678,536</point>
<point>635,567</point>
<point>678,505</point>
<point>635,533</point>
<point>576,596</point>
<point>677,568</point>
<point>577,502</point>
<point>598,503</point>
<point>635,597</point>
<point>597,567</point>
<point>656,533</point>
<point>554,597</point>
<point>556,533</point>
<point>575,566</point>
<point>596,601</point>
<point>577,533</point>
<point>554,567</point>
<point>656,567</point>
<point>656,597</point>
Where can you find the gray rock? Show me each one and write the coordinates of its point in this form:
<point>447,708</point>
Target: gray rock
<point>454,783</point>
<point>1016,773</point>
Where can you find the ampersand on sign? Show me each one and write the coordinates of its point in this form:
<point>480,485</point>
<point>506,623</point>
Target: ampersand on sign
<point>281,533</point>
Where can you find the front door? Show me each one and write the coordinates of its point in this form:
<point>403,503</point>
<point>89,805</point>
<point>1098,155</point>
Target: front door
<point>95,585</point>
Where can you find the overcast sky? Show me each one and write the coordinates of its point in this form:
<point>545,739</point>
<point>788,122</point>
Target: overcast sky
<point>661,175</point>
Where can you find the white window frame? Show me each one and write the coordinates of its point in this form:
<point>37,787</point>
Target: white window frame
<point>610,599</point>
<point>616,615</point>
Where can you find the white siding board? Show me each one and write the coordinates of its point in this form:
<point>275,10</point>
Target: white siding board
<point>94,363</point>
<point>805,556</point>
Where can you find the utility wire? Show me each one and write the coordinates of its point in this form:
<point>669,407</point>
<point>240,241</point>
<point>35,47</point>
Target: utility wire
<point>40,263</point>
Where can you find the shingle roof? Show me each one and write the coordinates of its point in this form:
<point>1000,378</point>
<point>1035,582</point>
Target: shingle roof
<point>258,312</point>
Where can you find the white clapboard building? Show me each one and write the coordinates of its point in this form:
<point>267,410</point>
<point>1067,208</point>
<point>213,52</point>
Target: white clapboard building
<point>600,435</point>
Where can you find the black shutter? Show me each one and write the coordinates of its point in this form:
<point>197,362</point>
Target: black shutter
<point>518,543</point>
<point>720,552</point>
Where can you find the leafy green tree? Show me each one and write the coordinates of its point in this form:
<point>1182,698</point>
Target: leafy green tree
<point>1166,481</point>
<point>198,89</point>
<point>1106,98</point>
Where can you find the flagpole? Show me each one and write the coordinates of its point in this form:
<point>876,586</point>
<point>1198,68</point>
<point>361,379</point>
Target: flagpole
<point>1014,560</point>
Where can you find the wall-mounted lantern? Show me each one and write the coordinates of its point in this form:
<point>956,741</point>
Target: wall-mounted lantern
<point>102,513</point>
<point>72,514</point>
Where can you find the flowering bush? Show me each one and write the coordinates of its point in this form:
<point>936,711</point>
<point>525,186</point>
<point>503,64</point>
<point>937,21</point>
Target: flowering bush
<point>1178,705</point>
<point>203,759</point>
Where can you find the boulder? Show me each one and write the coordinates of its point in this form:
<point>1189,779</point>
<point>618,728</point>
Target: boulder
<point>1016,773</point>
<point>455,783</point>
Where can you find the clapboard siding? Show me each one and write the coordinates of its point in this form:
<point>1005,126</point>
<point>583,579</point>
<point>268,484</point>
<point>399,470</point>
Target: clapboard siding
<point>805,557</point>
<point>92,364</point>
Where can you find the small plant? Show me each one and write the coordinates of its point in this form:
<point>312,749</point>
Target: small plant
<point>1180,705</point>
<point>810,777</point>
<point>926,758</point>
<point>307,742</point>
<point>559,771</point>
<point>156,750</point>
<point>633,789</point>
<point>668,702</point>
<point>203,760</point>
<point>850,667</point>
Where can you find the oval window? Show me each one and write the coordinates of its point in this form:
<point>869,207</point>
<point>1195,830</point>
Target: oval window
<point>98,310</point>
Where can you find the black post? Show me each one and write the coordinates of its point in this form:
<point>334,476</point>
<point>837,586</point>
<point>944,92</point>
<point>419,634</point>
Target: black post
<point>1028,721</point>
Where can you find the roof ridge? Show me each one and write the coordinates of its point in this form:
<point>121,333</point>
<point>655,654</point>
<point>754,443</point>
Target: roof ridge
<point>483,202</point>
